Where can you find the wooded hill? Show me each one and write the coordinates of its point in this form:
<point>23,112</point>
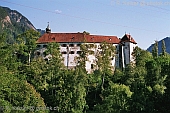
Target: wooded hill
<point>31,84</point>
<point>14,23</point>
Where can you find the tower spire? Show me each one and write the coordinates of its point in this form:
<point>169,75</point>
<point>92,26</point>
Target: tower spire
<point>48,30</point>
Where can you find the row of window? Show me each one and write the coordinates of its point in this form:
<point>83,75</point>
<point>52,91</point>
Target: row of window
<point>70,45</point>
<point>71,52</point>
<point>62,45</point>
<point>44,46</point>
<point>78,52</point>
<point>64,52</point>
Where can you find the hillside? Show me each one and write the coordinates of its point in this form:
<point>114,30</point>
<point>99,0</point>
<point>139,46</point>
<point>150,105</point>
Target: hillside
<point>167,44</point>
<point>13,23</point>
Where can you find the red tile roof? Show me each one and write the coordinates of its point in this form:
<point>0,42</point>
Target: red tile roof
<point>76,37</point>
<point>128,38</point>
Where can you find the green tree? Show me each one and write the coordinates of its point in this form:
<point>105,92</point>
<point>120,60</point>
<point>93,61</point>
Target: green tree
<point>7,53</point>
<point>16,94</point>
<point>141,56</point>
<point>27,44</point>
<point>116,100</point>
<point>102,72</point>
<point>103,61</point>
<point>155,50</point>
<point>163,48</point>
<point>36,73</point>
<point>15,91</point>
<point>66,88</point>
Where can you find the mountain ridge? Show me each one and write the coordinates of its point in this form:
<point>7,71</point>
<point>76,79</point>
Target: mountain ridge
<point>14,23</point>
<point>167,45</point>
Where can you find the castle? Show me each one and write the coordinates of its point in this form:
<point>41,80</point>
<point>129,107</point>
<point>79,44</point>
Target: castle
<point>70,47</point>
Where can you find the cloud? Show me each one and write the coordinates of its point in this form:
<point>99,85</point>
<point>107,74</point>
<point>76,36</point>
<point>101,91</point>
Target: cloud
<point>58,11</point>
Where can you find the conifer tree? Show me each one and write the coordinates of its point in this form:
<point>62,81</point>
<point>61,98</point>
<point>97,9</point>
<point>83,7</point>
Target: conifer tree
<point>155,50</point>
<point>163,48</point>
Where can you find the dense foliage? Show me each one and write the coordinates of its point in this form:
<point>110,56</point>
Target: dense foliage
<point>32,84</point>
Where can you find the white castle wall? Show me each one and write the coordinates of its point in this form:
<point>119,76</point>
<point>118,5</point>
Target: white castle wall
<point>70,51</point>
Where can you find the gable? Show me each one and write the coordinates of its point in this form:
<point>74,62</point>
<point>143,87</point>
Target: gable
<point>128,38</point>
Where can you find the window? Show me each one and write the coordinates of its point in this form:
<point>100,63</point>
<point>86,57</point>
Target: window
<point>38,46</point>
<point>71,52</point>
<point>64,45</point>
<point>44,46</point>
<point>38,53</point>
<point>71,45</point>
<point>99,46</point>
<point>44,53</point>
<point>46,59</point>
<point>79,52</point>
<point>92,66</point>
<point>78,44</point>
<point>64,52</point>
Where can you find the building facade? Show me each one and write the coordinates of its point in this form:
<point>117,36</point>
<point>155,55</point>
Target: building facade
<point>70,47</point>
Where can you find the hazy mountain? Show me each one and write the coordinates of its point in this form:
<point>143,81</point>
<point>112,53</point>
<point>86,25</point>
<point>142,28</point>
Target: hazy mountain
<point>167,44</point>
<point>13,23</point>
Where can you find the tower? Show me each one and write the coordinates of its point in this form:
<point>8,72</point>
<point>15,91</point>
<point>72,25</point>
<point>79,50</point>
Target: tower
<point>48,30</point>
<point>126,47</point>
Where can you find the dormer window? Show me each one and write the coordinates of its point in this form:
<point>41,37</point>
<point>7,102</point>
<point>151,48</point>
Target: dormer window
<point>72,38</point>
<point>53,38</point>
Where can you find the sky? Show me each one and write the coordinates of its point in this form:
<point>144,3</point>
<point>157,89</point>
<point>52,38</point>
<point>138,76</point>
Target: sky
<point>145,20</point>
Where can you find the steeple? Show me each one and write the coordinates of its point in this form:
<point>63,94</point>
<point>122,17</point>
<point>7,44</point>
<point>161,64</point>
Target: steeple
<point>48,30</point>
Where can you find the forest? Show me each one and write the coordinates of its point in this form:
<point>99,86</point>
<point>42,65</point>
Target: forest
<point>30,84</point>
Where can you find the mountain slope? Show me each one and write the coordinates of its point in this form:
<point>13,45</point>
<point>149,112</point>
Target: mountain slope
<point>13,23</point>
<point>167,44</point>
